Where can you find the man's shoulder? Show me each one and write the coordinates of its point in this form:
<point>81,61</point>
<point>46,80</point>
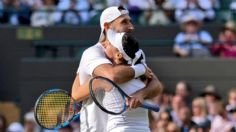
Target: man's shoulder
<point>95,51</point>
<point>95,48</point>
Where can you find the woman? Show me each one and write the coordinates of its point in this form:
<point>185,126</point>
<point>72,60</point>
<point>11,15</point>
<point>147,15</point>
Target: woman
<point>127,51</point>
<point>199,111</point>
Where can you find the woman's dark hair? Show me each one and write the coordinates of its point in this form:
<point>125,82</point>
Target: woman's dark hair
<point>130,46</point>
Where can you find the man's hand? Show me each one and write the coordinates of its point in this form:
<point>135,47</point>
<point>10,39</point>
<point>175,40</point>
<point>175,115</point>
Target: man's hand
<point>149,74</point>
<point>135,101</point>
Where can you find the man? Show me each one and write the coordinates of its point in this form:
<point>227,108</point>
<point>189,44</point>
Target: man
<point>95,63</point>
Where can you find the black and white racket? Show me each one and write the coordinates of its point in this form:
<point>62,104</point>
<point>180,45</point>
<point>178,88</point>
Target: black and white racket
<point>110,98</point>
<point>55,109</point>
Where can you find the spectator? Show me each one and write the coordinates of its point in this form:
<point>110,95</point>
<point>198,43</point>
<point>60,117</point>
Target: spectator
<point>226,45</point>
<point>220,123</point>
<point>159,14</point>
<point>30,124</point>
<point>183,89</point>
<point>232,115</point>
<point>215,4</point>
<point>46,14</point>
<point>3,123</point>
<point>34,4</point>
<point>192,41</point>
<point>15,127</point>
<point>177,103</point>
<point>115,3</point>
<point>202,9</point>
<point>199,110</point>
<point>231,107</point>
<point>232,97</point>
<point>172,127</point>
<point>63,5</point>
<point>233,6</point>
<point>185,117</point>
<point>83,7</point>
<point>164,101</point>
<point>11,13</point>
<point>23,11</point>
<point>165,118</point>
<point>136,8</point>
<point>210,95</point>
<point>71,15</point>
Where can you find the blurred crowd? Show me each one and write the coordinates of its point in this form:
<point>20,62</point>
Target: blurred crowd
<point>181,110</point>
<point>193,41</point>
<point>191,15</point>
<point>74,12</point>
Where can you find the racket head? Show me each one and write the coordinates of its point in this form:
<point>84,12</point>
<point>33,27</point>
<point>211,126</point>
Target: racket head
<point>107,95</point>
<point>54,108</point>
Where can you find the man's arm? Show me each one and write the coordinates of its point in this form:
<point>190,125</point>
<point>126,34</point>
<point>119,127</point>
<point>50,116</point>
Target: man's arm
<point>118,73</point>
<point>153,88</point>
<point>80,92</point>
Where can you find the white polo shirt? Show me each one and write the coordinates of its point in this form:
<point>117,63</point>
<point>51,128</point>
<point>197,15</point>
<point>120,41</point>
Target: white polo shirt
<point>92,118</point>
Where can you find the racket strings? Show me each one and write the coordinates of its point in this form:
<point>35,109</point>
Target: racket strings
<point>54,109</point>
<point>108,96</point>
<point>114,101</point>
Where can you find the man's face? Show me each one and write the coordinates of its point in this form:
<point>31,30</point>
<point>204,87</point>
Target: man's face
<point>122,24</point>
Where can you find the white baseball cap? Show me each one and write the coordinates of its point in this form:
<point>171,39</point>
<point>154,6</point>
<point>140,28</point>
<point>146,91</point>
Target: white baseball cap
<point>109,15</point>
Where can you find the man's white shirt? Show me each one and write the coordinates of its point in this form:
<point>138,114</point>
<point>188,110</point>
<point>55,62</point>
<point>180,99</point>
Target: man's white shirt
<point>92,118</point>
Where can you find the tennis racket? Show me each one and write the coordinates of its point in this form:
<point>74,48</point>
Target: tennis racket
<point>55,109</point>
<point>110,98</point>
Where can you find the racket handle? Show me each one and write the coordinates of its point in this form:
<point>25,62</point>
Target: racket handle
<point>77,116</point>
<point>152,107</point>
<point>68,122</point>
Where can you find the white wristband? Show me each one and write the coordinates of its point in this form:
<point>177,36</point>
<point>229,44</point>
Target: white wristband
<point>139,70</point>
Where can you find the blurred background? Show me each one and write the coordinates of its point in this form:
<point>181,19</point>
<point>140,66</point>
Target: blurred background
<point>189,44</point>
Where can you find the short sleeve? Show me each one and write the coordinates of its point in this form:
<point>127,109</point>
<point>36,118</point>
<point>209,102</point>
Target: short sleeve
<point>93,57</point>
<point>205,36</point>
<point>179,38</point>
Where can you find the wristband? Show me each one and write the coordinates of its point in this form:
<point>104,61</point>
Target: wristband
<point>139,70</point>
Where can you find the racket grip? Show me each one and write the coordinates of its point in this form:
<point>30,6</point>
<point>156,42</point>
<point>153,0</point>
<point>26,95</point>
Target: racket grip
<point>152,107</point>
<point>68,122</point>
<point>77,116</point>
